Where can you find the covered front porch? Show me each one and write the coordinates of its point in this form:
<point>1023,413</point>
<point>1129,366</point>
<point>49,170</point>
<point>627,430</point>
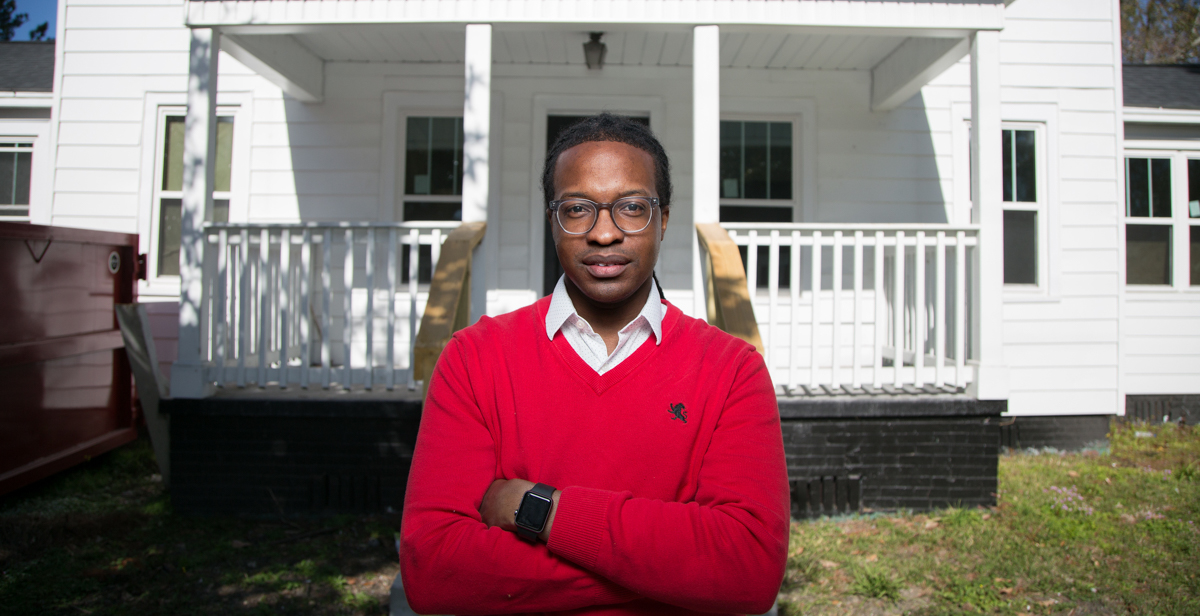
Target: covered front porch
<point>849,294</point>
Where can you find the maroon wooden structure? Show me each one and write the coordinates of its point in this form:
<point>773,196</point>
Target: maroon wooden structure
<point>66,392</point>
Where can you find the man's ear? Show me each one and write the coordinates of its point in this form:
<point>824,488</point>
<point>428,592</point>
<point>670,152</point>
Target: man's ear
<point>666,215</point>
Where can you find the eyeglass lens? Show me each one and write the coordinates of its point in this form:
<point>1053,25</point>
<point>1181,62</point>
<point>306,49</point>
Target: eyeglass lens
<point>631,214</point>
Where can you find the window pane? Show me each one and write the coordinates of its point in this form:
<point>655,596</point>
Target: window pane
<point>1020,247</point>
<point>426,210</point>
<point>1137,187</point>
<point>731,160</point>
<point>433,156</point>
<point>1025,146</point>
<point>781,161</point>
<point>754,146</point>
<point>1194,249</point>
<point>169,230</point>
<point>15,177</point>
<point>224,153</point>
<point>1148,254</point>
<point>173,154</point>
<point>1194,188</point>
<point>1160,187</point>
<point>220,210</point>
<point>755,213</point>
<point>756,160</point>
<point>1007,156</point>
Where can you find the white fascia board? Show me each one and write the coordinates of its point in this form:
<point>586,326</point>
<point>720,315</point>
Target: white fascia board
<point>912,65</point>
<point>860,15</point>
<point>1147,115</point>
<point>282,61</point>
<point>26,99</point>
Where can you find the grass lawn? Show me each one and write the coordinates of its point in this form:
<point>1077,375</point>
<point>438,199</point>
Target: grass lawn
<point>1084,533</point>
<point>1090,533</point>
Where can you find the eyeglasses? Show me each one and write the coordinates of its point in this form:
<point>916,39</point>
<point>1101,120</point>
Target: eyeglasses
<point>629,214</point>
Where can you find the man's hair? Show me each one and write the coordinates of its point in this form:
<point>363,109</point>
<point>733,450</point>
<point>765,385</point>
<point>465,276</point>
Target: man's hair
<point>609,127</point>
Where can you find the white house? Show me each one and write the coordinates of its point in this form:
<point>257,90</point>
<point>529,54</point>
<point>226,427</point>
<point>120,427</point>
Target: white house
<point>982,137</point>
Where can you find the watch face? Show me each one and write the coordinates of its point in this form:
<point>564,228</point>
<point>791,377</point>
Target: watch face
<point>533,512</point>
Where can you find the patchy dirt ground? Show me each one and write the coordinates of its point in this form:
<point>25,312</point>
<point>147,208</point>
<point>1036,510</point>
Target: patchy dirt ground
<point>101,539</point>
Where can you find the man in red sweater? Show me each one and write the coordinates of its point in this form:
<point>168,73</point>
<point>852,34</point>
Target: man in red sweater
<point>598,452</point>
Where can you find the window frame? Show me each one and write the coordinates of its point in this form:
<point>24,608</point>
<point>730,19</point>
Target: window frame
<point>796,202</point>
<point>1178,153</point>
<point>21,145</point>
<point>158,194</point>
<point>401,157</point>
<point>238,104</point>
<point>1039,206</point>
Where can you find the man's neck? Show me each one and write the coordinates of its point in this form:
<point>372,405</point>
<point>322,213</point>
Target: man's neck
<point>607,319</point>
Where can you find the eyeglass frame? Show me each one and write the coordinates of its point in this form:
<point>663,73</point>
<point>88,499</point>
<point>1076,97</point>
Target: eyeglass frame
<point>554,205</point>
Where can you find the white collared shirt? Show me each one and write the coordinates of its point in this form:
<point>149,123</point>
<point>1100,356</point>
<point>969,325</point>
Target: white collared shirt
<point>588,344</point>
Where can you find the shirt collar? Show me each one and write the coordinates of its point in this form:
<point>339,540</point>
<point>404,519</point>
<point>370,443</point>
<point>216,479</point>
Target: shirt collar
<point>562,308</point>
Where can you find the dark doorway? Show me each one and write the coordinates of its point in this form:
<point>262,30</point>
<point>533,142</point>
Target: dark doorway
<point>551,268</point>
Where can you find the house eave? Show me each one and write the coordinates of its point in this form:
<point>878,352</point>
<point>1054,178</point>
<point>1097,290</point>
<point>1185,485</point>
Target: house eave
<point>906,18</point>
<point>1159,115</point>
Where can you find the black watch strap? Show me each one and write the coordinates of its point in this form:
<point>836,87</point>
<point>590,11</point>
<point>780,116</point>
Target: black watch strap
<point>535,508</point>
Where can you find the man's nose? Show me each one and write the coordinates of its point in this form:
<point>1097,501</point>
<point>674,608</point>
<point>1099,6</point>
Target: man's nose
<point>605,231</point>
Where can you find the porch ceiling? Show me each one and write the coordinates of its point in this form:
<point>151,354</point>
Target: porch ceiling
<point>756,49</point>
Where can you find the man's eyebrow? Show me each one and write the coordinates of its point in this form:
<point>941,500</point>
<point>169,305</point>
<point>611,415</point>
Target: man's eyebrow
<point>634,192</point>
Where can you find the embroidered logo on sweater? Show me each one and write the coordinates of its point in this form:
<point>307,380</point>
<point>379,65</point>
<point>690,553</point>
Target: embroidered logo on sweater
<point>678,412</point>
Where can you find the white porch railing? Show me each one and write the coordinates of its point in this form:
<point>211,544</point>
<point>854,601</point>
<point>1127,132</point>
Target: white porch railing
<point>315,303</point>
<point>877,307</point>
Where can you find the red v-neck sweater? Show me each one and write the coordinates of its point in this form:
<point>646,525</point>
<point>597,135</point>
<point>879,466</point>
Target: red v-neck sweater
<point>671,466</point>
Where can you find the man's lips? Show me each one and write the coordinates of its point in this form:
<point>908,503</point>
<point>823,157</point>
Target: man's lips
<point>606,266</point>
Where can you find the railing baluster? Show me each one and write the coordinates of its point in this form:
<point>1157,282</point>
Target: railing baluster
<point>898,309</point>
<point>220,321</point>
<point>391,304</point>
<point>773,297</point>
<point>835,278</point>
<point>326,317</point>
<point>306,311</point>
<point>960,308</point>
<point>243,307</point>
<point>285,304</point>
<point>919,305</point>
<point>813,376</point>
<point>348,311</point>
<point>793,327</point>
<point>752,270</point>
<point>264,303</point>
<point>939,350</point>
<point>855,377</point>
<point>370,320</point>
<point>880,311</point>
<point>414,254</point>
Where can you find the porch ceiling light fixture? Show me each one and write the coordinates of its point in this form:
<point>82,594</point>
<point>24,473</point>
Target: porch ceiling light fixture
<point>594,51</point>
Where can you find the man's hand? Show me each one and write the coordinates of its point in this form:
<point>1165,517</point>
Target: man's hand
<point>503,498</point>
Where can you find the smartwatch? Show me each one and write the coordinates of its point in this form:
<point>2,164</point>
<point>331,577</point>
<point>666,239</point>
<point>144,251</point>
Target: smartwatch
<point>534,510</point>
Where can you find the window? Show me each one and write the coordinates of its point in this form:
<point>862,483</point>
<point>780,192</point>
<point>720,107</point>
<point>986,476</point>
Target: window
<point>16,161</point>
<point>169,188</point>
<point>757,171</point>
<point>1022,207</point>
<point>1162,233</point>
<point>433,159</point>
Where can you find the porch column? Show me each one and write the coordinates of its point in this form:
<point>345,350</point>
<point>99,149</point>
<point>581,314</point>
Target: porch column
<point>706,144</point>
<point>477,114</point>
<point>991,380</point>
<point>199,152</point>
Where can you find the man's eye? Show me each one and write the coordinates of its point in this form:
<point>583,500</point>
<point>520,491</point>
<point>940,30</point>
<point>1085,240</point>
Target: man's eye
<point>577,210</point>
<point>634,208</point>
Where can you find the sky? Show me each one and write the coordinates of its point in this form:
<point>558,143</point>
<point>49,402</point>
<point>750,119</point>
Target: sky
<point>39,11</point>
